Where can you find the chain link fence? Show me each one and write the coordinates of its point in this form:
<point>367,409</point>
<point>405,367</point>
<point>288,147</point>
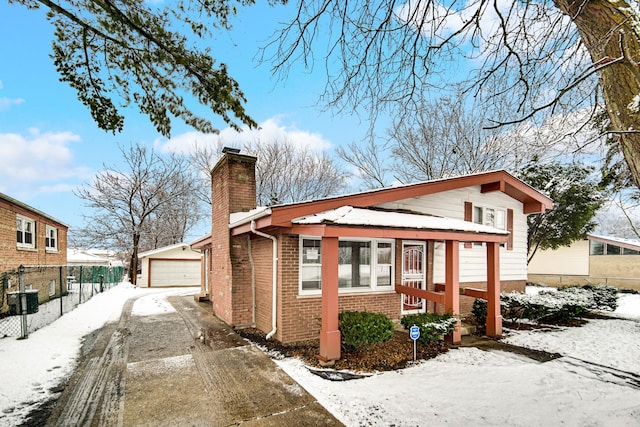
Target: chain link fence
<point>33,297</point>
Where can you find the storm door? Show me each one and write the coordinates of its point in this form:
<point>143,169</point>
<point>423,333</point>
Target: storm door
<point>414,274</point>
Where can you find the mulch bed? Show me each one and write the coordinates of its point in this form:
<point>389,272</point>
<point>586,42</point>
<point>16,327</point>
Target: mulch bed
<point>397,353</point>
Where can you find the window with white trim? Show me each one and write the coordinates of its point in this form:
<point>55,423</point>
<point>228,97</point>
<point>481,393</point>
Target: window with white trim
<point>25,232</point>
<point>51,240</point>
<point>363,264</point>
<point>52,288</point>
<point>310,265</point>
<point>493,217</point>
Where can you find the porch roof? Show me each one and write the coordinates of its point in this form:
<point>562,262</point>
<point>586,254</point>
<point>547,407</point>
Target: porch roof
<point>351,216</point>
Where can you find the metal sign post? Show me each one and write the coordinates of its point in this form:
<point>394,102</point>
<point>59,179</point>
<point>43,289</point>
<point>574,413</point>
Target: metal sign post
<point>23,302</point>
<point>414,333</point>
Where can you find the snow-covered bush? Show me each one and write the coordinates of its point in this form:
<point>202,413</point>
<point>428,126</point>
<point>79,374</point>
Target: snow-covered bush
<point>604,297</point>
<point>432,325</point>
<point>551,306</point>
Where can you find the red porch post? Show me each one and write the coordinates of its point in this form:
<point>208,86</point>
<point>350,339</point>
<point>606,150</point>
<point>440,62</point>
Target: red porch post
<point>452,286</point>
<point>329,333</point>
<point>494,317</point>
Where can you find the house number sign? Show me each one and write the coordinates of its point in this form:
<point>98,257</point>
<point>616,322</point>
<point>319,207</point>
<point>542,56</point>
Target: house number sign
<point>414,333</point>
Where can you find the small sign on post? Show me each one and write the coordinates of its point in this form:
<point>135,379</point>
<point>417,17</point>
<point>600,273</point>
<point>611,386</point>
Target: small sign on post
<point>414,333</point>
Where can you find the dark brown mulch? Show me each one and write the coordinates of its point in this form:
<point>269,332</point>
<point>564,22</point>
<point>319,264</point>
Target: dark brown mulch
<point>396,353</point>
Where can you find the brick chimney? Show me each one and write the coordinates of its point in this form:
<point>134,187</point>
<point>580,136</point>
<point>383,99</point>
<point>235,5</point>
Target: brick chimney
<point>233,189</point>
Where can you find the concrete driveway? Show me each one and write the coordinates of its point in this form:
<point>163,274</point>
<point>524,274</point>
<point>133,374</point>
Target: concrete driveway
<point>180,367</point>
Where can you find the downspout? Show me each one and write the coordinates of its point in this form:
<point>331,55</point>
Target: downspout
<point>274,279</point>
<point>253,284</point>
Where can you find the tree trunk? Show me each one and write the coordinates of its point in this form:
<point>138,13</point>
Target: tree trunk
<point>133,265</point>
<point>610,30</point>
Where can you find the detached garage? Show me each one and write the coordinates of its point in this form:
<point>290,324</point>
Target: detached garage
<point>175,265</point>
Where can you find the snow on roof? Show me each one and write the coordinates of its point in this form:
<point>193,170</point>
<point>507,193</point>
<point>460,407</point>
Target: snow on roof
<point>80,256</point>
<point>627,243</point>
<point>163,249</point>
<point>239,218</point>
<point>348,215</point>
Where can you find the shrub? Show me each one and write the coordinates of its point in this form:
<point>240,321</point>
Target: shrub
<point>551,306</point>
<point>432,325</point>
<point>359,328</point>
<point>604,297</point>
<point>479,312</point>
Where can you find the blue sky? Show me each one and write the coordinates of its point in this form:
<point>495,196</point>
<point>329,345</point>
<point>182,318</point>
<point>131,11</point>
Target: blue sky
<point>49,145</point>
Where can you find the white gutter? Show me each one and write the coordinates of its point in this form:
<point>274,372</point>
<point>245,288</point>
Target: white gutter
<point>274,279</point>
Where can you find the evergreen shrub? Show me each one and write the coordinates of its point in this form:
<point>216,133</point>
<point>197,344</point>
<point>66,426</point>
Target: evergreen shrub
<point>362,328</point>
<point>433,326</point>
<point>551,306</point>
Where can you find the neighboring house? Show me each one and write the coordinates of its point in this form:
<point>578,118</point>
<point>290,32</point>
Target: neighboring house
<point>289,269</point>
<point>100,257</point>
<point>598,260</point>
<point>83,257</point>
<point>174,265</point>
<point>30,238</point>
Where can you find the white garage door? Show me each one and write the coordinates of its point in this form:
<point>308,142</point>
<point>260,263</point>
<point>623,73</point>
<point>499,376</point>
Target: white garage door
<point>175,273</point>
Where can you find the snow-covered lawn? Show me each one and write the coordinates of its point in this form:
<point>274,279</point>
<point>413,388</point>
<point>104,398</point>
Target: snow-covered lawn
<point>596,384</point>
<point>593,385</point>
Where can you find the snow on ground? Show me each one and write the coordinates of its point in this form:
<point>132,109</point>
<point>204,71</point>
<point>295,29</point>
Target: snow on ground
<point>31,367</point>
<point>465,386</point>
<point>468,386</point>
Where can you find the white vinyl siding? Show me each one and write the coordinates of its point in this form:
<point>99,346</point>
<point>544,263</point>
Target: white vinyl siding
<point>450,204</point>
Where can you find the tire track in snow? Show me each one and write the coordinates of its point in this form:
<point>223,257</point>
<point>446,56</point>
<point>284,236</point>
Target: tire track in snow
<point>98,398</point>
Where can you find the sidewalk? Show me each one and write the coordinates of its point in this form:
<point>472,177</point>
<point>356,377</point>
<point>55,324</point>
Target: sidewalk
<point>182,367</point>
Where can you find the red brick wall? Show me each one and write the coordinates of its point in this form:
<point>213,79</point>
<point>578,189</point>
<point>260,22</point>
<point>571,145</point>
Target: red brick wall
<point>301,320</point>
<point>233,190</point>
<point>11,257</point>
<point>262,250</point>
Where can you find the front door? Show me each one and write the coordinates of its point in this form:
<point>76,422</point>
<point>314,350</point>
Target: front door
<point>413,275</point>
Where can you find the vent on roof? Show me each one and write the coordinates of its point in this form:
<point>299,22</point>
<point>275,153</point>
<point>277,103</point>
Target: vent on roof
<point>230,150</point>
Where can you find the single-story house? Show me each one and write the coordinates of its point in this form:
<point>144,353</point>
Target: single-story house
<point>174,265</point>
<point>290,269</point>
<point>597,259</point>
<point>77,256</point>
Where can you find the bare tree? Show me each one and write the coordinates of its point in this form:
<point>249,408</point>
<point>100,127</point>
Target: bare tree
<point>136,208</point>
<point>444,139</point>
<point>370,160</point>
<point>203,158</point>
<point>286,172</point>
<point>549,57</point>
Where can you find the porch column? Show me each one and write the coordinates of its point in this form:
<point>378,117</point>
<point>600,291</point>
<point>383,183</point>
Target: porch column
<point>329,333</point>
<point>452,286</point>
<point>494,317</point>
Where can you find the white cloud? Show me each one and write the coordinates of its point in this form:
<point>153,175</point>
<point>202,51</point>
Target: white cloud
<point>6,103</point>
<point>272,129</point>
<point>38,162</point>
